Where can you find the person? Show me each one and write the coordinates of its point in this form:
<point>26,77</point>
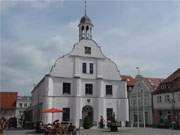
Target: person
<point>101,123</point>
<point>59,128</point>
<point>72,129</point>
<point>2,125</point>
<point>39,127</point>
<point>48,129</point>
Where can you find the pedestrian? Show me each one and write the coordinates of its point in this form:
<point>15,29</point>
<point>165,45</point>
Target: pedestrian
<point>72,129</point>
<point>2,125</point>
<point>101,123</point>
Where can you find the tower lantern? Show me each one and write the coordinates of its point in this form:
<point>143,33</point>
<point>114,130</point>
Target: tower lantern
<point>85,27</point>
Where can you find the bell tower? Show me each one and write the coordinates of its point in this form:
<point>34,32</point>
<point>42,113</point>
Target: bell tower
<point>85,27</point>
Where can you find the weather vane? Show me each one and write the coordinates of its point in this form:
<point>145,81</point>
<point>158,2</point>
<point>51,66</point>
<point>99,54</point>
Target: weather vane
<point>85,6</point>
<point>138,70</point>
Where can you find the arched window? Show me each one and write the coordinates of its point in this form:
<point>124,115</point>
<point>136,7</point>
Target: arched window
<point>82,28</point>
<point>87,28</point>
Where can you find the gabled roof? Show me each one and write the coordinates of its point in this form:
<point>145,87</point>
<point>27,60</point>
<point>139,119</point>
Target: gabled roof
<point>8,100</point>
<point>173,76</point>
<point>149,83</point>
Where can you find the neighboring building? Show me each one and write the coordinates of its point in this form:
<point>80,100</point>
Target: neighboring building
<point>141,101</point>
<point>166,101</point>
<point>83,83</point>
<point>8,104</point>
<point>23,102</point>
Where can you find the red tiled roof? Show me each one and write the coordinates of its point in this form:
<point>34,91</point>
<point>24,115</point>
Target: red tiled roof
<point>173,76</point>
<point>170,84</point>
<point>152,83</point>
<point>8,100</point>
<point>129,79</point>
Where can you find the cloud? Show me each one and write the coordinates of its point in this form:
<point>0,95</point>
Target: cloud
<point>55,44</point>
<point>6,5</point>
<point>154,51</point>
<point>35,34</point>
<point>45,3</point>
<point>73,25</point>
<point>22,65</point>
<point>23,56</point>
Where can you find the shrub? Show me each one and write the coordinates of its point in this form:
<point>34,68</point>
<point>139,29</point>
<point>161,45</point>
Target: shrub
<point>87,123</point>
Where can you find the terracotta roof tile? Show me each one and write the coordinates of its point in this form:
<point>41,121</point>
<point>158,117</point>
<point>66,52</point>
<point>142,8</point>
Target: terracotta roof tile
<point>8,100</point>
<point>170,84</point>
<point>152,83</point>
<point>129,79</point>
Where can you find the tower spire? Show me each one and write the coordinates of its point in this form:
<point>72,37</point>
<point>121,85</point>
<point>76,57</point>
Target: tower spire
<point>85,7</point>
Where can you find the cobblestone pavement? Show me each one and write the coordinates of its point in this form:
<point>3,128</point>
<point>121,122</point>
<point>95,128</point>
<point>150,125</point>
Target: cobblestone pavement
<point>122,131</point>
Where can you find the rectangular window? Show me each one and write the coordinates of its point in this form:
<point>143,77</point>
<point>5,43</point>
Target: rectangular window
<point>66,88</point>
<point>20,105</point>
<point>146,117</point>
<point>91,68</point>
<point>25,104</point>
<point>66,114</point>
<point>89,89</point>
<point>84,67</point>
<point>87,50</point>
<point>159,99</point>
<point>109,113</point>
<point>167,99</point>
<point>108,89</point>
<point>135,117</point>
<point>178,97</point>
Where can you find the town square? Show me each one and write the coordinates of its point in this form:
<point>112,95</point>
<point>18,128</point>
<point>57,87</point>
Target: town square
<point>87,67</point>
<point>122,131</point>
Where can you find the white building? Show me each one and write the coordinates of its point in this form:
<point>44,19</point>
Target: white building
<point>22,103</point>
<point>83,82</point>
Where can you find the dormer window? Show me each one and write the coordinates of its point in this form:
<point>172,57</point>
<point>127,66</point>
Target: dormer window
<point>87,50</point>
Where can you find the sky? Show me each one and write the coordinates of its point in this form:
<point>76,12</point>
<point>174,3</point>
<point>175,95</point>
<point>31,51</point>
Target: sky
<point>133,33</point>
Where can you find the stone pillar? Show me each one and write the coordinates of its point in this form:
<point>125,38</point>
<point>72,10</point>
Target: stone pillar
<point>76,67</point>
<point>77,112</point>
<point>101,87</point>
<point>101,101</point>
<point>49,100</point>
<point>77,86</point>
<point>99,71</point>
<point>77,102</point>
